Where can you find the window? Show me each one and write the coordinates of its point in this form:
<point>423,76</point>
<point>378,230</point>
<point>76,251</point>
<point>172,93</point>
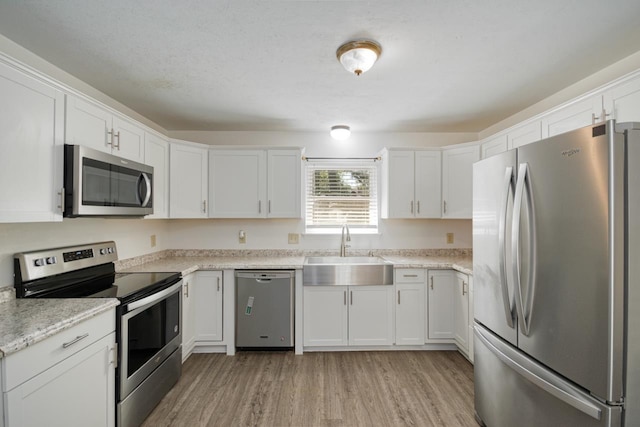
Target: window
<point>341,192</point>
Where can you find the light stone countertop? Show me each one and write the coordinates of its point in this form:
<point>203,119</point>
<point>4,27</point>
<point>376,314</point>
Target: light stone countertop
<point>189,264</point>
<point>24,322</point>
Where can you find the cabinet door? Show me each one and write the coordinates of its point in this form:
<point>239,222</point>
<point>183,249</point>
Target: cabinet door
<point>156,154</point>
<point>410,305</point>
<point>572,117</point>
<point>461,311</point>
<point>237,187</point>
<point>187,181</point>
<point>525,134</point>
<point>440,304</point>
<point>188,316</point>
<point>325,315</point>
<point>208,306</point>
<point>398,185</point>
<point>428,187</point>
<point>79,391</point>
<point>128,140</point>
<point>88,125</point>
<point>623,101</point>
<point>495,145</point>
<point>371,315</point>
<point>457,181</point>
<point>284,184</point>
<point>32,123</point>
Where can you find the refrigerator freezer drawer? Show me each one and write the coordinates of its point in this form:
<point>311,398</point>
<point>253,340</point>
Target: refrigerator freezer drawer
<point>512,389</point>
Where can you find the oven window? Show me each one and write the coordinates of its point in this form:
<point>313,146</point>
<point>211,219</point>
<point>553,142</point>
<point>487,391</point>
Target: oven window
<point>150,330</point>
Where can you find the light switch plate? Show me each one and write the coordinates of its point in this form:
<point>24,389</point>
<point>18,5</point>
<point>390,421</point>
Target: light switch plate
<point>449,238</point>
<point>153,240</point>
<point>242,236</point>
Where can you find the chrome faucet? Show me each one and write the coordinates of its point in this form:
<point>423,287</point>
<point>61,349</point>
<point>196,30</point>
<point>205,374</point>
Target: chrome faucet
<point>343,245</point>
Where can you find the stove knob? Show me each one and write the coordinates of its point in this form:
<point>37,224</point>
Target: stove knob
<point>51,260</point>
<point>103,251</point>
<point>39,262</point>
<point>110,250</point>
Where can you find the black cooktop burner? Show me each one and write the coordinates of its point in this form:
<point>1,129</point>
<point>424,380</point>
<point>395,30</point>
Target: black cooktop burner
<point>132,286</point>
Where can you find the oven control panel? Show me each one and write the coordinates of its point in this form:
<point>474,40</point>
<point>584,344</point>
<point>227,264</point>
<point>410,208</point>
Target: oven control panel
<point>37,264</point>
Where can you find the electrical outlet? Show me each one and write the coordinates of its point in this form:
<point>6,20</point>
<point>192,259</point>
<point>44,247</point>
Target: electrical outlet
<point>242,237</point>
<point>294,238</point>
<point>153,240</point>
<point>449,238</point>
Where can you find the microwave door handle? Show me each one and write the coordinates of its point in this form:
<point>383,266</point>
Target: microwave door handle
<point>144,200</point>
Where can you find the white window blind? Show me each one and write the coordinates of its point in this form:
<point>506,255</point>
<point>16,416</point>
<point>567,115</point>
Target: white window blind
<point>341,192</point>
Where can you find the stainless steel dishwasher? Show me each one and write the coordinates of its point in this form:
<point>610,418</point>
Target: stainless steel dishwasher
<point>264,309</point>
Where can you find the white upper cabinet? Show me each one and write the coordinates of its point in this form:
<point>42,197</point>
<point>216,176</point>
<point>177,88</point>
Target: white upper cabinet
<point>623,101</point>
<point>32,124</point>
<point>411,184</point>
<point>188,181</point>
<point>457,181</point>
<point>284,181</point>
<point>254,183</point>
<point>525,134</point>
<point>571,117</point>
<point>494,145</point>
<point>90,125</point>
<point>156,154</point>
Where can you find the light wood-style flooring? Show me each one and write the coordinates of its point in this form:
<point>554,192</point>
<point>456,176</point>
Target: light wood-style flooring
<point>393,388</point>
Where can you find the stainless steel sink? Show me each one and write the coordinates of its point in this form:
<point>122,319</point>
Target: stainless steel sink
<point>347,271</point>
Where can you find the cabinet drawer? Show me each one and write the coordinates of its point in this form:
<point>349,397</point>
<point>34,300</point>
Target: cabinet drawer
<point>409,275</point>
<point>25,364</point>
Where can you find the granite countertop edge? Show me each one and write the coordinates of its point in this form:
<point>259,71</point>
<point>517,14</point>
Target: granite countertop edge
<point>25,322</point>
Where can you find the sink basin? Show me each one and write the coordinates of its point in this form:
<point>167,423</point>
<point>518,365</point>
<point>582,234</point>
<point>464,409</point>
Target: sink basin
<point>346,271</point>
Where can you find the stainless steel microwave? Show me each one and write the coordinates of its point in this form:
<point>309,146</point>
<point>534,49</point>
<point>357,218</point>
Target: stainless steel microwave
<point>100,184</point>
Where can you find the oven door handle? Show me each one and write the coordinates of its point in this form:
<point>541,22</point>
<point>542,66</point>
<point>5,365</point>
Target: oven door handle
<point>151,299</point>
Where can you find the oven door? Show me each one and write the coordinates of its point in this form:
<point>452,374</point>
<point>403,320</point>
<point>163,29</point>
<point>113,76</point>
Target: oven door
<point>101,184</point>
<point>150,331</point>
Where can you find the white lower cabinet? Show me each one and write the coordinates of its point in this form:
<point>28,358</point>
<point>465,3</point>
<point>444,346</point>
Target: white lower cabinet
<point>201,310</point>
<point>440,323</point>
<point>348,315</point>
<point>208,306</point>
<point>188,316</point>
<point>410,306</point>
<point>461,311</point>
<point>53,385</point>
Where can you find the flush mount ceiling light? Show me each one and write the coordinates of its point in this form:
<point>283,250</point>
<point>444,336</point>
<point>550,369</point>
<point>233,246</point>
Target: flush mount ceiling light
<point>340,132</point>
<point>358,56</point>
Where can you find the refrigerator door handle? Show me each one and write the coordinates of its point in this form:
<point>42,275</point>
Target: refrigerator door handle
<point>560,391</point>
<point>524,183</point>
<point>502,236</point>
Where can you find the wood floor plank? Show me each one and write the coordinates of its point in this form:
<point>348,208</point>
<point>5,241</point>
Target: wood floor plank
<point>393,388</point>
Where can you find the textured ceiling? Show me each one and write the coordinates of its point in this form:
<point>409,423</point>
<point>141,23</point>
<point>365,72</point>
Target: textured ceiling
<point>447,65</point>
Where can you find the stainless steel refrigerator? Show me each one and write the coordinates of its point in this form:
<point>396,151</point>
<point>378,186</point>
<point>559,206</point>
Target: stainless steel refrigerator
<point>556,265</point>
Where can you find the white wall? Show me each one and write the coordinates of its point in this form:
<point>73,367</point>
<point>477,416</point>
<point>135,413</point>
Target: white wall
<point>132,237</point>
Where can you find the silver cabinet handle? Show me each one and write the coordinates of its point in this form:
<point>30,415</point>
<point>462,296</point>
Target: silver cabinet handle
<point>110,140</point>
<point>345,297</point>
<point>117,135</point>
<point>75,340</point>
<point>464,284</point>
<point>398,297</point>
<point>218,284</point>
<point>444,202</point>
<point>507,189</point>
<point>61,194</point>
<point>418,206</point>
<point>523,185</point>
<point>431,282</point>
<point>412,206</point>
<point>269,206</point>
<point>204,206</point>
<point>409,275</point>
<point>259,206</point>
<point>351,295</point>
<point>186,289</point>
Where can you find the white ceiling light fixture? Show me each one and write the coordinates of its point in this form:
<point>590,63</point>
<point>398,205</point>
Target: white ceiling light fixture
<point>340,132</point>
<point>358,56</point>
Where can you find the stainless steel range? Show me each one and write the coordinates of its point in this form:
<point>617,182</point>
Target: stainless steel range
<point>148,320</point>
